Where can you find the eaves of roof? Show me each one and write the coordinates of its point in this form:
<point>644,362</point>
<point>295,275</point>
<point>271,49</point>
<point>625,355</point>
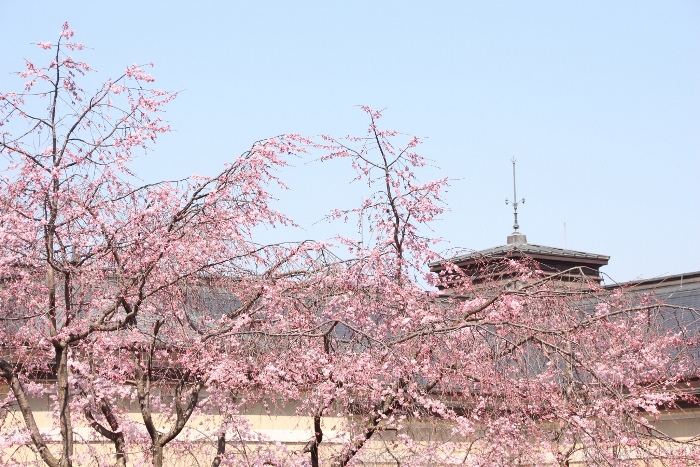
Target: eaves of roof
<point>516,250</point>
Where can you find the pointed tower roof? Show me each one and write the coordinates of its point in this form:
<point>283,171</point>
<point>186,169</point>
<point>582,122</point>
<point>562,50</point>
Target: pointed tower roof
<point>567,265</point>
<point>517,250</point>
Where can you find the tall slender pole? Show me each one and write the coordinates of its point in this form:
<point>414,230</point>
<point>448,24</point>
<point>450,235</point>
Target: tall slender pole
<point>515,200</point>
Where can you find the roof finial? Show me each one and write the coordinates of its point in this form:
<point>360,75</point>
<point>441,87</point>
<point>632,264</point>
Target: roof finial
<point>516,236</point>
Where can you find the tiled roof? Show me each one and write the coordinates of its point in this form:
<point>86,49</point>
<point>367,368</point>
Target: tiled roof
<point>680,290</point>
<point>687,296</point>
<point>527,249</point>
<point>684,297</point>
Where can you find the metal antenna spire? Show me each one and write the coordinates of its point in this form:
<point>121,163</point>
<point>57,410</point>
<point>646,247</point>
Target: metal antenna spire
<point>515,203</point>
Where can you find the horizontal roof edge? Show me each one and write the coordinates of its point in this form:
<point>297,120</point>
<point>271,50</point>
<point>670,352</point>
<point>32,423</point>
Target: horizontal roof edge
<point>527,249</point>
<point>687,277</point>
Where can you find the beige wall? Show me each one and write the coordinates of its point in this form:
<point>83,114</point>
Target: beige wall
<point>282,427</point>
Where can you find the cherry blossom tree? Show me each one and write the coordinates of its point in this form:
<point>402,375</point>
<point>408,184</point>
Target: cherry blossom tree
<point>97,270</point>
<point>120,298</point>
<point>522,368</point>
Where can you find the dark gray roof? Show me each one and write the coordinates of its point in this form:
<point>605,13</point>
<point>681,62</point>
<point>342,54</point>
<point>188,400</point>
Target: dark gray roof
<point>687,279</point>
<point>679,290</point>
<point>527,249</point>
<point>687,296</point>
<point>682,293</point>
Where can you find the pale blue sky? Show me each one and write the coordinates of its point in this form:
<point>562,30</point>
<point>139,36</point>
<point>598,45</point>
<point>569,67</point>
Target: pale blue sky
<point>598,100</point>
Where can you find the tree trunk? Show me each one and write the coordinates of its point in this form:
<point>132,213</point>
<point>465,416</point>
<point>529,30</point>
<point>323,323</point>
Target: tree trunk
<point>157,454</point>
<point>65,424</point>
<point>220,450</point>
<point>115,434</point>
<point>8,372</point>
<point>318,438</point>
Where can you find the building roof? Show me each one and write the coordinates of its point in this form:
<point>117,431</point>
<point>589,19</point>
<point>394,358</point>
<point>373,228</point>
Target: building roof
<point>531,250</point>
<point>687,280</point>
<point>681,292</point>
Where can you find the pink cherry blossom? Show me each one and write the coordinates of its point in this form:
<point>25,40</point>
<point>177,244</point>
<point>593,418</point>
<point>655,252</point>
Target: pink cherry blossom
<point>159,299</point>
